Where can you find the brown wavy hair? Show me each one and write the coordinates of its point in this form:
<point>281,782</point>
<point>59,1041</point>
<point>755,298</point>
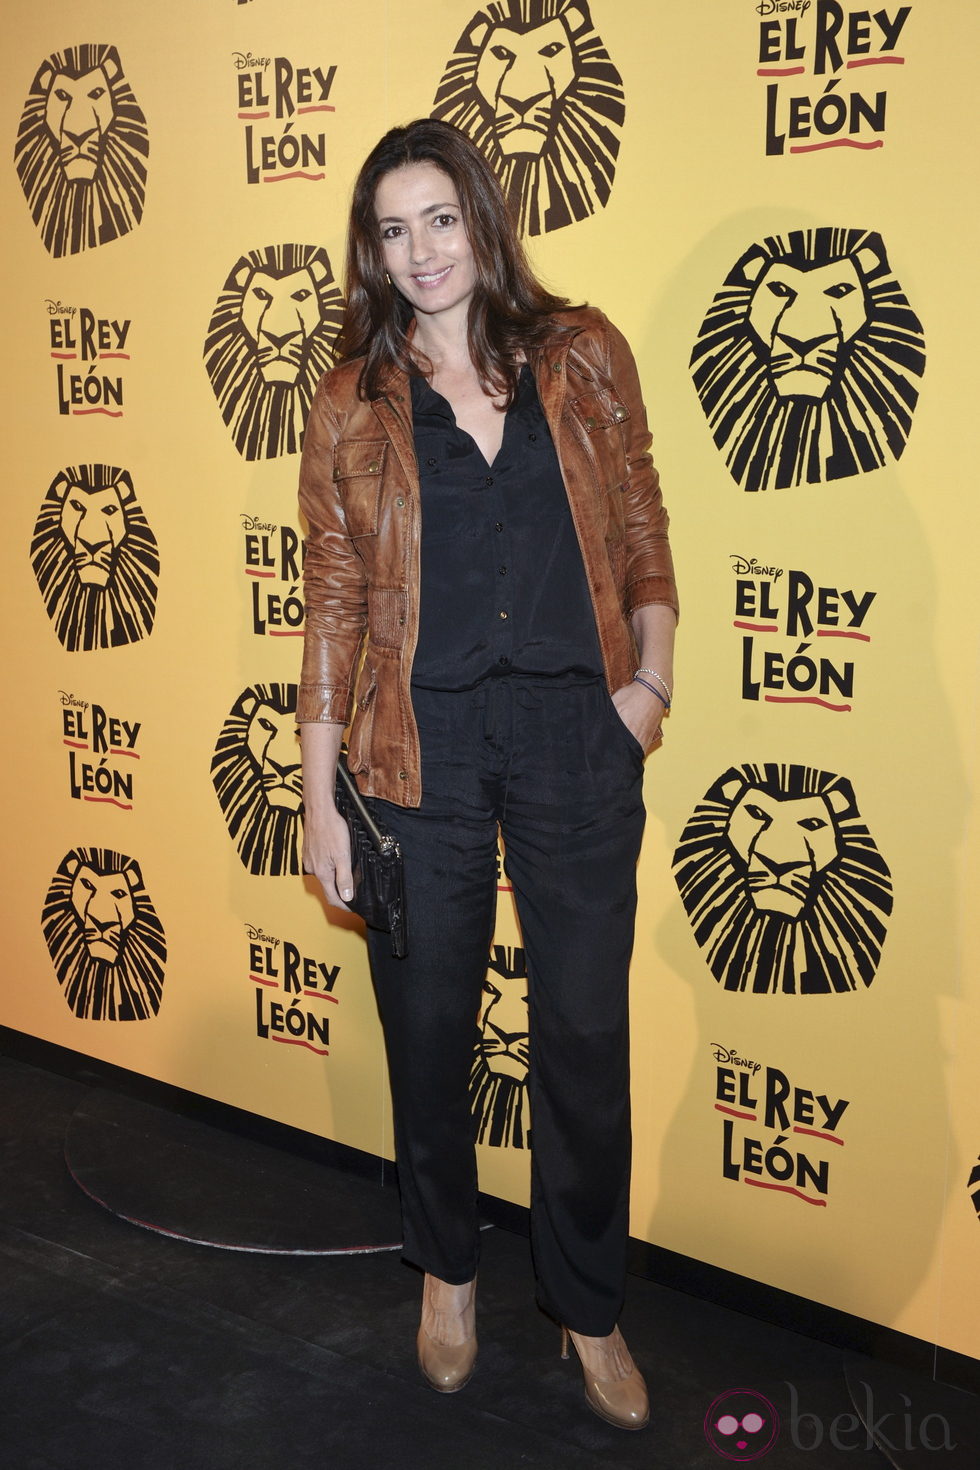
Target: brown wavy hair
<point>510,311</point>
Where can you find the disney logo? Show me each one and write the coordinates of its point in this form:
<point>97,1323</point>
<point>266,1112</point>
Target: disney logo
<point>252,523</point>
<point>254,932</point>
<point>55,308</point>
<point>245,61</point>
<point>747,566</point>
<point>732,1058</point>
<point>773,7</point>
<point>70,702</point>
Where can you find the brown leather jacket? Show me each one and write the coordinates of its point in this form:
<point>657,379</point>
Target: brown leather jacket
<point>359,491</point>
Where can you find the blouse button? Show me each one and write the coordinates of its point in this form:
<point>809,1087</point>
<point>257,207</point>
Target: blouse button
<point>498,525</point>
<point>533,438</point>
<point>430,461</point>
<point>504,615</point>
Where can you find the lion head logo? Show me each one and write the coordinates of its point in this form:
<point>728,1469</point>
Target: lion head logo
<point>95,559</point>
<point>498,1081</point>
<point>783,883</point>
<point>532,84</point>
<point>270,340</point>
<point>105,939</point>
<point>81,150</point>
<point>258,779</point>
<point>806,362</point>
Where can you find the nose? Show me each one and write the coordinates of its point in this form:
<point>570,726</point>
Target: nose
<point>802,347</point>
<point>523,105</point>
<point>280,342</point>
<point>79,138</point>
<point>93,546</point>
<point>419,248</point>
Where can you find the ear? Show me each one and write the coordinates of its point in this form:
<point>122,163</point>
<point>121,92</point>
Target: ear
<point>122,481</point>
<point>71,865</point>
<point>44,78</point>
<point>249,703</point>
<point>753,265</point>
<point>577,19</point>
<point>111,65</point>
<point>241,276</point>
<point>131,872</point>
<point>869,260</point>
<point>318,270</point>
<point>838,801</point>
<point>732,789</point>
<point>59,490</point>
<point>477,34</point>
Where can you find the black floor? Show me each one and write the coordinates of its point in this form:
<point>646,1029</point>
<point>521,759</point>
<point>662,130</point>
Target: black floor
<point>122,1349</point>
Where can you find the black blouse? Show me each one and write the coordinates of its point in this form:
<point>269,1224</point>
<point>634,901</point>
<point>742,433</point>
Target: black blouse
<point>503,587</point>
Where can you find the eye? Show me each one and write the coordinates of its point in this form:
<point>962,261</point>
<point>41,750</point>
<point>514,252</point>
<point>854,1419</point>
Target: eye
<point>267,725</point>
<point>76,505</point>
<point>391,232</point>
<point>812,824</point>
<point>110,510</point>
<point>502,53</point>
<point>262,294</point>
<point>780,288</point>
<point>842,288</point>
<point>96,93</point>
<point>62,95</point>
<point>303,294</point>
<point>444,221</point>
<point>757,814</point>
<point>89,887</point>
<point>552,49</point>
<point>490,989</point>
<point>118,892</point>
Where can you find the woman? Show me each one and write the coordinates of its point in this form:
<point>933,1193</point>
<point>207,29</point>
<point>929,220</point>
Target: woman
<point>486,527</point>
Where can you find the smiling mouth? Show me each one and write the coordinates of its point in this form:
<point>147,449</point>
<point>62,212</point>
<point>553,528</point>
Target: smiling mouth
<point>430,279</point>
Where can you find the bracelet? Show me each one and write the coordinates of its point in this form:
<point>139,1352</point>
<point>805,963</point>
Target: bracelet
<point>638,680</point>
<point>661,681</point>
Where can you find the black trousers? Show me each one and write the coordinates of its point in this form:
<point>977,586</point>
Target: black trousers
<point>552,763</point>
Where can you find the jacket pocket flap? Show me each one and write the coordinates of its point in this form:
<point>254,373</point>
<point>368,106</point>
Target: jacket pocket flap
<point>599,410</point>
<point>356,457</point>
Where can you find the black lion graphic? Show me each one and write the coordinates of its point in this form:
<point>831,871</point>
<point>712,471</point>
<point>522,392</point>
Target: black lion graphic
<point>532,84</point>
<point>81,150</point>
<point>95,559</point>
<point>805,363</point>
<point>783,883</point>
<point>258,780</point>
<point>498,1081</point>
<point>105,939</point>
<point>270,340</point>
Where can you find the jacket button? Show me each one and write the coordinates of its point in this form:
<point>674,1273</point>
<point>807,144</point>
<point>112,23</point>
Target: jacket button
<point>373,467</point>
<point>336,474</point>
<point>400,501</point>
<point>403,775</point>
<point>619,413</point>
<point>590,422</point>
<point>556,367</point>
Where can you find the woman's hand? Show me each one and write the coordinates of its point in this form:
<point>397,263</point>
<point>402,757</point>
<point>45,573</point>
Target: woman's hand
<point>641,712</point>
<point>326,854</point>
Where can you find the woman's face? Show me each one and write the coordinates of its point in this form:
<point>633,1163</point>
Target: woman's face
<point>426,250</point>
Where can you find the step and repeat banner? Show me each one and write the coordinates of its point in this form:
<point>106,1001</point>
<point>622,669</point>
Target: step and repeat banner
<point>773,199</point>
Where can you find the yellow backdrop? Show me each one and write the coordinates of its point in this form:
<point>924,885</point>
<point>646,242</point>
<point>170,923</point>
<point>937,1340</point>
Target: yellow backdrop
<point>780,192</point>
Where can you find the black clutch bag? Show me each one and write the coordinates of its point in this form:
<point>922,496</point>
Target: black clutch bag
<point>377,867</point>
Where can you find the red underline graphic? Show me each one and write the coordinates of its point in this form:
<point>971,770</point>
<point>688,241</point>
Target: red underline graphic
<point>65,356</point>
<point>134,755</point>
<point>286,633</point>
<point>317,107</point>
<point>255,115</point>
<point>835,143</point>
<point>785,1189</point>
<point>321,1051</point>
<point>104,356</point>
<point>261,980</point>
<point>126,806</point>
<point>816,1133</point>
<point>299,174</point>
<point>80,413</point>
<point>842,633</point>
<point>250,573</point>
<point>879,61</point>
<point>733,1112</point>
<point>779,71</point>
<point>757,627</point>
<point>321,995</point>
<point>839,709</point>
<point>76,744</point>
<point>505,887</point>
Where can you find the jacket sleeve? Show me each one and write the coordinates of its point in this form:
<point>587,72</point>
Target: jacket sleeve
<point>649,566</point>
<point>335,585</point>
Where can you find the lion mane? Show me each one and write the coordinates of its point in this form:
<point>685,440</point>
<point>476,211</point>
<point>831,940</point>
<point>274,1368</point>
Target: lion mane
<point>104,937</point>
<point>973,1186</point>
<point>783,884</point>
<point>498,1079</point>
<point>806,361</point>
<point>532,84</point>
<point>270,340</point>
<point>257,778</point>
<point>95,559</point>
<point>81,150</point>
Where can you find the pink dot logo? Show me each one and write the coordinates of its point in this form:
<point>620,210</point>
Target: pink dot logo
<point>741,1425</point>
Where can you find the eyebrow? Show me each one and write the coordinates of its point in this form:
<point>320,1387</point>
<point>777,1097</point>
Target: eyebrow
<point>396,219</point>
